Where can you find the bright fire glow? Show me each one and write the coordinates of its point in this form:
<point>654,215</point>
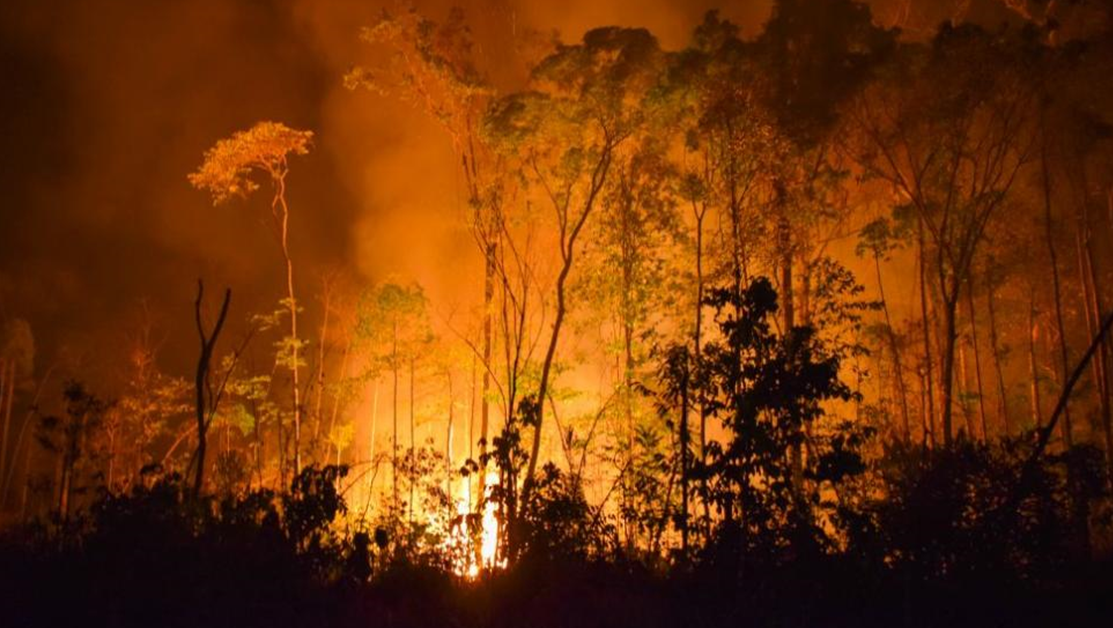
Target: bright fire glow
<point>488,542</point>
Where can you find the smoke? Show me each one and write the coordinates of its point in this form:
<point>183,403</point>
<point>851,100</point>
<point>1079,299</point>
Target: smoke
<point>110,104</point>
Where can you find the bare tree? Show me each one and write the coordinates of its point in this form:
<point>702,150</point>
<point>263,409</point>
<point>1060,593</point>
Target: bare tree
<point>206,397</point>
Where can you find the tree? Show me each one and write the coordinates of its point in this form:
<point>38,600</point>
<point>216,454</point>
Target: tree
<point>949,129</point>
<point>814,57</point>
<point>392,320</point>
<point>433,67</point>
<point>207,398</point>
<point>768,390</point>
<point>626,282</point>
<point>146,407</point>
<point>588,99</point>
<point>226,173</point>
<point>878,239</point>
<point>17,359</point>
<point>73,438</point>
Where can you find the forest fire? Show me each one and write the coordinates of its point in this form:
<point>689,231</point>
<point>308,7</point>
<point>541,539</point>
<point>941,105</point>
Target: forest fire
<point>328,312</point>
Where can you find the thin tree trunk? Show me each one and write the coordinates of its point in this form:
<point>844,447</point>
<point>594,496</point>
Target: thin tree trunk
<point>546,369</point>
<point>317,419</point>
<point>1092,306</point>
<point>413,443</point>
<point>627,314</point>
<point>895,349</point>
<point>372,441</point>
<point>293,308</point>
<point>27,459</point>
<point>448,442</point>
<point>7,368</point>
<point>930,379</point>
<point>925,428</point>
<point>1056,294</point>
<point>336,397</point>
<point>701,213</point>
<point>569,234</point>
<point>628,408</point>
<point>1033,374</point>
<point>946,380</point>
<point>1002,397</point>
<point>394,412</point>
<point>471,431</point>
<point>64,468</point>
<point>110,476</point>
<point>977,363</point>
<point>1044,435</point>
<point>684,463</point>
<point>485,402</point>
<point>788,322</point>
<point>964,393</point>
<point>201,382</point>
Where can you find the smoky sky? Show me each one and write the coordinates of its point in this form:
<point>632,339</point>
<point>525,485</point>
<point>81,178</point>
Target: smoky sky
<point>106,106</point>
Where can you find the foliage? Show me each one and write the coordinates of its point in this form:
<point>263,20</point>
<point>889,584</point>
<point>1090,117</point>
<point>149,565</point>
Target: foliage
<point>226,170</point>
<point>768,390</point>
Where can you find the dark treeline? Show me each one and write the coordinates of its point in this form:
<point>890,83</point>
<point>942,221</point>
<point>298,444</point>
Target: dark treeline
<point>808,328</point>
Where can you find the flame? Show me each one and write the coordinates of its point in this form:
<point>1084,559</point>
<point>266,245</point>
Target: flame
<point>488,539</point>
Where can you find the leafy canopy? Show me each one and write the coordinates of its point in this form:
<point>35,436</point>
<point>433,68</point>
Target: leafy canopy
<point>226,170</point>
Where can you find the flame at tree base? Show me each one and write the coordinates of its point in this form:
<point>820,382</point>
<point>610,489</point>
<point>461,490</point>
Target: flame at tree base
<point>488,534</point>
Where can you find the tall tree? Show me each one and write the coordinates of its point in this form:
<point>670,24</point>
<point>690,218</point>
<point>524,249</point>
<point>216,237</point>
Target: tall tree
<point>812,57</point>
<point>949,129</point>
<point>434,66</point>
<point>587,101</point>
<point>393,323</point>
<point>226,173</point>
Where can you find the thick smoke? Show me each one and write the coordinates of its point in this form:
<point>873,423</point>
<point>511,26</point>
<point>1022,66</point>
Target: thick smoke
<point>108,106</point>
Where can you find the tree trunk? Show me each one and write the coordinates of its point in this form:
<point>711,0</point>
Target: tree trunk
<point>7,394</point>
<point>64,471</point>
<point>1093,307</point>
<point>1002,396</point>
<point>570,231</point>
<point>788,322</point>
<point>930,376</point>
<point>448,443</point>
<point>1033,373</point>
<point>627,320</point>
<point>964,393</point>
<point>684,438</point>
<point>471,433</point>
<point>204,400</point>
<point>977,363</point>
<point>546,370</point>
<point>394,415</point>
<point>320,389</point>
<point>1056,295</point>
<point>926,436</point>
<point>413,443</point>
<point>336,397</point>
<point>372,441</point>
<point>484,402</point>
<point>946,380</point>
<point>895,349</point>
<point>701,213</point>
<point>293,308</point>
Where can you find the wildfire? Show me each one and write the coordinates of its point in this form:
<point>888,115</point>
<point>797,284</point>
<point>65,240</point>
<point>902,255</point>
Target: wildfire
<point>488,539</point>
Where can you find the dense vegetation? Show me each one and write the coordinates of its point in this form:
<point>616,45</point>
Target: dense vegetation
<point>674,402</point>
